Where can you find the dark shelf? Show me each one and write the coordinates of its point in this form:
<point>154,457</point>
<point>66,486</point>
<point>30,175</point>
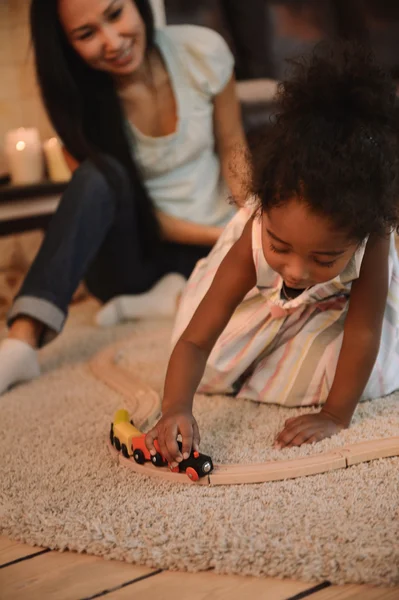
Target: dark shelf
<point>9,192</point>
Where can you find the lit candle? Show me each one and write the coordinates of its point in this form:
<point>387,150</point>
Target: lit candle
<point>24,156</point>
<point>57,168</point>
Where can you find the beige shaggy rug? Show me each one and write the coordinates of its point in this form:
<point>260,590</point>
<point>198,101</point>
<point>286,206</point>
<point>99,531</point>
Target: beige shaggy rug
<point>60,488</point>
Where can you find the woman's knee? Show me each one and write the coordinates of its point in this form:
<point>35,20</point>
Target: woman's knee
<point>99,184</point>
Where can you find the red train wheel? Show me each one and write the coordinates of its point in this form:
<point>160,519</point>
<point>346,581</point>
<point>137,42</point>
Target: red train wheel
<point>192,473</point>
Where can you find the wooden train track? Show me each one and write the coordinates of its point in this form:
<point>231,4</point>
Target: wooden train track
<point>142,402</point>
<point>144,405</point>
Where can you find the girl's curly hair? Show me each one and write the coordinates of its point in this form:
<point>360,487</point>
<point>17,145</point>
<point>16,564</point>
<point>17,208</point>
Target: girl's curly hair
<point>334,142</point>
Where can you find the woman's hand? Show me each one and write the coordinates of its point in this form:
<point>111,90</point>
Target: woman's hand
<point>308,429</point>
<point>173,422</point>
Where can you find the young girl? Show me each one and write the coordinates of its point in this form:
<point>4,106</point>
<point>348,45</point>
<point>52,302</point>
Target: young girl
<point>298,302</point>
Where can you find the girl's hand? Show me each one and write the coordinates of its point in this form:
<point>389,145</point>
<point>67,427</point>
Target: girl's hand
<point>166,431</point>
<point>308,429</point>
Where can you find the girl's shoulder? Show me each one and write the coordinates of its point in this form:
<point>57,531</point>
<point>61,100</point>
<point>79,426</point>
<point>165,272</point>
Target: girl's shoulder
<point>352,270</point>
<point>203,53</point>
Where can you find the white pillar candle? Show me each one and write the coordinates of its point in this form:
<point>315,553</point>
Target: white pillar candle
<point>24,156</point>
<point>57,168</point>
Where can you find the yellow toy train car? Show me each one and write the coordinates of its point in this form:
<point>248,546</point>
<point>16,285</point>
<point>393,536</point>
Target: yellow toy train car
<point>129,440</point>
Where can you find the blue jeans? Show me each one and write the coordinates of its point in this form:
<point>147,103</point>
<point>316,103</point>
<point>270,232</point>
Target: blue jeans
<point>94,236</point>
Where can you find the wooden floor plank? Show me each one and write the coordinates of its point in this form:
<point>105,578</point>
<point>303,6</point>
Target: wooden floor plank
<point>72,576</point>
<point>64,576</point>
<point>208,586</point>
<point>357,592</point>
<point>10,550</point>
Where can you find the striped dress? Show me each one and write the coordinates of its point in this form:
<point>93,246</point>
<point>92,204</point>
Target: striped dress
<point>285,351</point>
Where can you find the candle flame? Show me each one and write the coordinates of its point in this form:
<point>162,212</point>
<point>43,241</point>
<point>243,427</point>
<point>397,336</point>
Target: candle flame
<point>21,146</point>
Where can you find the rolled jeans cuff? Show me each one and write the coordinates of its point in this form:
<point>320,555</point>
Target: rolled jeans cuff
<point>42,310</point>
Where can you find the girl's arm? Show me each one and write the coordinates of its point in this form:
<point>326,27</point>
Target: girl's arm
<point>233,280</point>
<point>362,333</point>
<point>231,144</point>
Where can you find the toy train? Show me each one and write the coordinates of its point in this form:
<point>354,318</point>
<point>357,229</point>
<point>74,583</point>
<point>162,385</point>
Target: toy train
<point>129,440</point>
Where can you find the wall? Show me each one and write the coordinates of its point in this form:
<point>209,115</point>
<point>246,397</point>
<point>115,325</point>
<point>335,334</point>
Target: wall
<point>20,104</point>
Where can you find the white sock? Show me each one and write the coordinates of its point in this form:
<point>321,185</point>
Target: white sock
<point>18,362</point>
<point>159,301</point>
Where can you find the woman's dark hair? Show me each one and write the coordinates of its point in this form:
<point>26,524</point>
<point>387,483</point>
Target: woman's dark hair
<point>334,142</point>
<point>84,108</point>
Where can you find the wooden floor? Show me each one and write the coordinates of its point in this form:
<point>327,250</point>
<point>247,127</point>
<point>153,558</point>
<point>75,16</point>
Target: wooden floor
<point>37,574</point>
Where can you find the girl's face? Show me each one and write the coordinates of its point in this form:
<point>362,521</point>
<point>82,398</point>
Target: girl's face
<point>303,247</point>
<point>109,35</point>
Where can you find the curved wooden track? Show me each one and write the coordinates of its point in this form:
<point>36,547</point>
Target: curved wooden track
<point>144,405</point>
<point>142,402</point>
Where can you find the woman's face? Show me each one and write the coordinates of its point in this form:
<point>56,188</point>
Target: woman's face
<point>109,35</point>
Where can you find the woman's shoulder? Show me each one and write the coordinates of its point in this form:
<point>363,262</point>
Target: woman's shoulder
<point>204,53</point>
<point>195,37</point>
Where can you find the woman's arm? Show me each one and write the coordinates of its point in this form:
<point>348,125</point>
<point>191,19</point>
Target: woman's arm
<point>233,152</point>
<point>186,232</point>
<point>231,144</point>
<point>172,228</point>
<point>362,332</point>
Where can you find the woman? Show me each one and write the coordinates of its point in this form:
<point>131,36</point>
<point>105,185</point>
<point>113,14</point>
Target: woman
<point>140,114</point>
